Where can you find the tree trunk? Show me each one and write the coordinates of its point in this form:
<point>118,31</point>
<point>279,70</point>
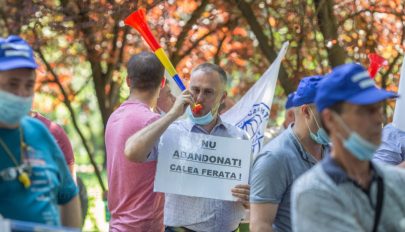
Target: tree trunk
<point>329,29</point>
<point>265,47</point>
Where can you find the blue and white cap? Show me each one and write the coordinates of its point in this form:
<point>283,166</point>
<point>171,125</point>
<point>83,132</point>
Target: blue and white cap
<point>349,83</point>
<point>16,53</point>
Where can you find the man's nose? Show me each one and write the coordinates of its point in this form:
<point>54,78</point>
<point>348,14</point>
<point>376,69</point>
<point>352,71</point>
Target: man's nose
<point>200,97</point>
<point>22,92</point>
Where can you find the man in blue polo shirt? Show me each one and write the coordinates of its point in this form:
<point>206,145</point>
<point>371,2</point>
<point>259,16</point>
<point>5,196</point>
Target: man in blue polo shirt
<point>34,178</point>
<point>347,191</point>
<point>284,159</point>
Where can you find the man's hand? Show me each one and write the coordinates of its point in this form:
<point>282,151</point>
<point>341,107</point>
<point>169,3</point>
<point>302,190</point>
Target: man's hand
<point>181,103</point>
<point>242,192</point>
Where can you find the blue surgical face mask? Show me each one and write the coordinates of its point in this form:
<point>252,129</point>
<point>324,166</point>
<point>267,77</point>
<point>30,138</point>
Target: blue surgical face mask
<point>13,108</point>
<point>320,137</point>
<point>203,120</point>
<point>358,146</point>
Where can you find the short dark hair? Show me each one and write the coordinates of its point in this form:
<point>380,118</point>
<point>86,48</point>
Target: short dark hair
<point>209,67</point>
<point>145,71</point>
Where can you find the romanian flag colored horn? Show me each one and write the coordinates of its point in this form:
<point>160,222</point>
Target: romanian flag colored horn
<point>137,20</point>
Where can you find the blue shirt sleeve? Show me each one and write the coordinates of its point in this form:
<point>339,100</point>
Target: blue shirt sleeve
<point>268,182</point>
<point>67,188</point>
<point>392,148</point>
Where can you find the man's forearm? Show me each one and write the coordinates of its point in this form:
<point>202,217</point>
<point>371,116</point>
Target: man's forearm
<point>258,227</point>
<point>139,145</point>
<point>71,215</point>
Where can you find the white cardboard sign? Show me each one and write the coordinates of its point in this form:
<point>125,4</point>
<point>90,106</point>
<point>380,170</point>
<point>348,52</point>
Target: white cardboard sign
<point>200,165</point>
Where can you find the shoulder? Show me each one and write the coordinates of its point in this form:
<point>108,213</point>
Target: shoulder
<point>131,115</point>
<point>392,134</point>
<point>390,172</point>
<point>182,124</point>
<point>314,179</point>
<point>235,131</point>
<point>283,146</point>
<point>34,126</point>
<point>37,135</point>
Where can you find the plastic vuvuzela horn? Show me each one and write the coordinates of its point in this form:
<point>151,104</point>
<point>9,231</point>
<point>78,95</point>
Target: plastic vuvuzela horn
<point>137,20</point>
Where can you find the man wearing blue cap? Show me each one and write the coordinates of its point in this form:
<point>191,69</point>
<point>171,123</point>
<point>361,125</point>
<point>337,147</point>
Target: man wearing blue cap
<point>284,159</point>
<point>347,191</point>
<point>34,178</point>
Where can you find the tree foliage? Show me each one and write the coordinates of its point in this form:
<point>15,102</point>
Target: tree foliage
<point>83,46</point>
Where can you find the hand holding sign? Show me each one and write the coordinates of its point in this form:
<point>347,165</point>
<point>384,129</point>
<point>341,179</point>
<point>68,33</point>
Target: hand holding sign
<point>242,192</point>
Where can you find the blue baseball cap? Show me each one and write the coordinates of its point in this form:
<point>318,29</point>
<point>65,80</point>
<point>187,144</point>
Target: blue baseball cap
<point>349,83</point>
<point>16,53</point>
<point>289,102</point>
<point>306,91</point>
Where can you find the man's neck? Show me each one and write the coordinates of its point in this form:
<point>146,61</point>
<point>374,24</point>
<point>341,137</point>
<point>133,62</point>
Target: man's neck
<point>147,97</point>
<point>358,170</point>
<point>309,145</point>
<point>211,125</point>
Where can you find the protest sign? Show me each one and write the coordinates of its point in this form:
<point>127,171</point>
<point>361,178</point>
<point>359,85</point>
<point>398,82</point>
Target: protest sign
<point>201,165</point>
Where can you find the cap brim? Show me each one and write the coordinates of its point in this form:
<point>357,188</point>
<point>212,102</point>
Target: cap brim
<point>371,96</point>
<point>17,63</point>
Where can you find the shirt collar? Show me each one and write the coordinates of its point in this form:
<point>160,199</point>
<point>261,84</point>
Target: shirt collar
<point>303,155</point>
<point>190,125</point>
<point>338,175</point>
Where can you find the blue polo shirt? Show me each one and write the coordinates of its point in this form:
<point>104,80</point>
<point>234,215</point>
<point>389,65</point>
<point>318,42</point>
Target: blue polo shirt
<point>51,182</point>
<point>274,171</point>
<point>392,148</point>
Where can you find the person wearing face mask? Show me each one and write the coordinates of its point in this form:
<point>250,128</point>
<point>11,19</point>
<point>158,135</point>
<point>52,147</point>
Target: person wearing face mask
<point>34,178</point>
<point>183,213</point>
<point>284,159</point>
<point>347,191</point>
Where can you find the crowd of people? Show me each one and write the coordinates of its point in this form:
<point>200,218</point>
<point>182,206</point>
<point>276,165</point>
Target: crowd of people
<point>324,170</point>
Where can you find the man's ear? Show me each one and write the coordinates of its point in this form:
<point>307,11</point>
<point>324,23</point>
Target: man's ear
<point>305,111</point>
<point>128,82</point>
<point>328,119</point>
<point>224,95</point>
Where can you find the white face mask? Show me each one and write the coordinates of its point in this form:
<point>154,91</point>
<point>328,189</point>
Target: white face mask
<point>13,108</point>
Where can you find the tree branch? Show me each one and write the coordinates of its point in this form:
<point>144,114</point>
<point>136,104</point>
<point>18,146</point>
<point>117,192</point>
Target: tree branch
<point>72,114</point>
<point>267,50</point>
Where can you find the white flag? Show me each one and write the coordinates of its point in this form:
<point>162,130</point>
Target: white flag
<point>399,112</point>
<point>252,111</point>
